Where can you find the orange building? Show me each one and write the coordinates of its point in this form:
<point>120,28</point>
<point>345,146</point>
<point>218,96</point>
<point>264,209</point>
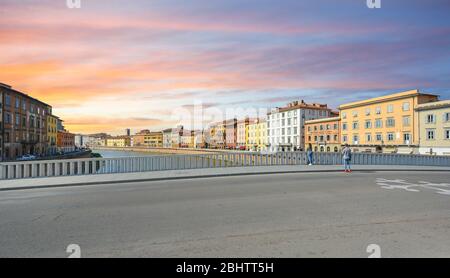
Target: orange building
<point>147,138</point>
<point>65,141</point>
<point>384,124</point>
<point>323,134</point>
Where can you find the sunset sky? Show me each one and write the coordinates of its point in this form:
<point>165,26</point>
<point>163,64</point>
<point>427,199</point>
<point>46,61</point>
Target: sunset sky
<point>116,64</point>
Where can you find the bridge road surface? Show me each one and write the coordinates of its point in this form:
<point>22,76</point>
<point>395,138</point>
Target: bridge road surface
<point>284,215</point>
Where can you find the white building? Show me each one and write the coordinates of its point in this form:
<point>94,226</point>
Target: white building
<point>434,128</point>
<point>285,126</point>
<point>167,138</point>
<point>84,141</point>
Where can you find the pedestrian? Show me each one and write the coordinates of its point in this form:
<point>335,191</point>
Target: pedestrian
<point>347,158</point>
<point>309,154</point>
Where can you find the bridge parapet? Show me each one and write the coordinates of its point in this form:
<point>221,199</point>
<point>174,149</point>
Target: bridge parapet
<point>94,166</point>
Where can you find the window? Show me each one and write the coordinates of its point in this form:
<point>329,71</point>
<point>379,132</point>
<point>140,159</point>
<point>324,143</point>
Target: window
<point>344,126</point>
<point>390,108</point>
<point>406,121</point>
<point>378,110</point>
<point>430,134</point>
<point>321,127</point>
<point>355,113</point>
<point>405,106</point>
<point>17,103</point>
<point>344,138</point>
<point>447,117</point>
<point>355,139</point>
<point>368,124</point>
<point>447,134</point>
<point>378,123</point>
<point>368,137</point>
<point>344,115</point>
<point>390,136</point>
<point>8,118</point>
<point>407,138</point>
<point>367,111</point>
<point>355,125</point>
<point>379,137</point>
<point>431,118</point>
<point>390,122</point>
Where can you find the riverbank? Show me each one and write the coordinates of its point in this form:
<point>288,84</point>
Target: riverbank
<point>164,151</point>
<point>71,155</point>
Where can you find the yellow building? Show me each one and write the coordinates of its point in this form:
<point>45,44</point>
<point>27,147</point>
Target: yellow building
<point>256,134</point>
<point>148,139</point>
<point>52,134</point>
<point>434,128</point>
<point>119,141</point>
<point>384,124</point>
<point>323,135</point>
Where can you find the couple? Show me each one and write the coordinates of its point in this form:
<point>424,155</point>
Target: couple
<point>346,157</point>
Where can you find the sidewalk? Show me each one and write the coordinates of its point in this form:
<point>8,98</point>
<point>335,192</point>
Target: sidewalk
<point>195,173</point>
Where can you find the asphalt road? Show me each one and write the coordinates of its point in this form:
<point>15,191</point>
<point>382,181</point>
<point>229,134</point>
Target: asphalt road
<point>289,215</point>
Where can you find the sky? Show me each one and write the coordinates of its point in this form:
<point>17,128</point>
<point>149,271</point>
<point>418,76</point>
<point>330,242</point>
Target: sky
<point>153,64</point>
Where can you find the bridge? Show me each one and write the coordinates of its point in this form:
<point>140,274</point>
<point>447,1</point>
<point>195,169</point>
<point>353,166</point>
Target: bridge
<point>226,205</point>
<point>95,166</point>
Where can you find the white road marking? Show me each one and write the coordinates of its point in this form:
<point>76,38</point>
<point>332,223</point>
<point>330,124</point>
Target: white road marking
<point>439,188</point>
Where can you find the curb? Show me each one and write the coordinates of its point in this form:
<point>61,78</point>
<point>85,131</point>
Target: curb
<point>212,176</point>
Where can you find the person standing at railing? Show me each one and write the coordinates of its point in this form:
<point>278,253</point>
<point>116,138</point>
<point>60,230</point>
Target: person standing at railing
<point>347,158</point>
<point>309,154</point>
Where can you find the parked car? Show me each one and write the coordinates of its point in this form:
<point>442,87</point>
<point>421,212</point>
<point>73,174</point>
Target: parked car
<point>26,157</point>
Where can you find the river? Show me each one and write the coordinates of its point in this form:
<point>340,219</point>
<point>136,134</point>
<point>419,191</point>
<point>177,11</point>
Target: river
<point>116,154</point>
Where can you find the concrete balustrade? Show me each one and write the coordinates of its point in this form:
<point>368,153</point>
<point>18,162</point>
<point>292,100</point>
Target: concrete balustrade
<point>55,168</point>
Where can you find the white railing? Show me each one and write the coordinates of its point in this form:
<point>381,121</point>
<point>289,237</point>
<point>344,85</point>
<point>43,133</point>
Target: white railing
<point>73,167</point>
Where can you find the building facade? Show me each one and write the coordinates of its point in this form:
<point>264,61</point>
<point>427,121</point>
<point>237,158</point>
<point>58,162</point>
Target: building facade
<point>323,134</point>
<point>176,136</point>
<point>257,135</point>
<point>199,139</point>
<point>148,139</point>
<point>217,135</point>
<point>241,134</point>
<point>167,138</point>
<point>23,124</point>
<point>231,134</point>
<point>52,134</point>
<point>285,126</point>
<point>187,139</point>
<point>384,124</point>
<point>118,141</point>
<point>65,141</point>
<point>84,141</point>
<point>434,128</point>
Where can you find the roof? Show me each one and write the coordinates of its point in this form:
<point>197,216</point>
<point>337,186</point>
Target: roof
<point>433,105</point>
<point>300,105</point>
<point>324,120</point>
<point>8,87</point>
<point>406,94</point>
<point>119,137</point>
